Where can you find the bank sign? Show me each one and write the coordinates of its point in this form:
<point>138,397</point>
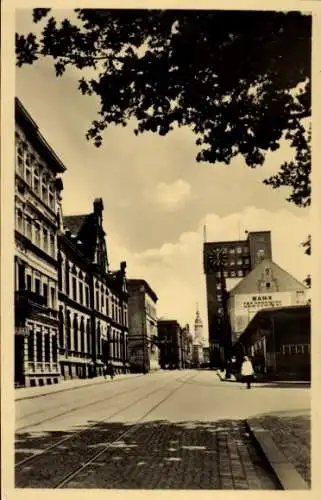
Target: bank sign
<point>255,302</point>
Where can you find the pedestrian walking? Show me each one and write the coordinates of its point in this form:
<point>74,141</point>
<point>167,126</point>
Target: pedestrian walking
<point>247,371</point>
<point>111,371</point>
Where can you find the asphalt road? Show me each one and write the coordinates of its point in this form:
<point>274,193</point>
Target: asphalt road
<point>168,430</point>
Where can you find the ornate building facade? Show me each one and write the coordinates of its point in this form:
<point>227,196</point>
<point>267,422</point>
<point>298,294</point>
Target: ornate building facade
<point>71,310</point>
<point>37,191</point>
<point>93,307</point>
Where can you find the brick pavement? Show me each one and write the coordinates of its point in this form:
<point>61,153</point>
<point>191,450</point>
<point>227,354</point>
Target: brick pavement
<point>196,455</point>
<point>291,432</point>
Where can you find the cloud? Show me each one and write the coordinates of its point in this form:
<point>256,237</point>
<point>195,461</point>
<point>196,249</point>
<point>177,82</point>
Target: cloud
<point>174,270</point>
<point>171,196</point>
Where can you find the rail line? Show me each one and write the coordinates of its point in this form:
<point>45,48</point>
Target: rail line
<point>83,466</point>
<point>37,455</point>
<point>70,410</point>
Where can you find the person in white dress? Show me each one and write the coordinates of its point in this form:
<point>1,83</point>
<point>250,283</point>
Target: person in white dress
<point>247,372</point>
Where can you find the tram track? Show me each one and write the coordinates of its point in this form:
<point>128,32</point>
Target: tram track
<point>70,410</point>
<point>76,435</point>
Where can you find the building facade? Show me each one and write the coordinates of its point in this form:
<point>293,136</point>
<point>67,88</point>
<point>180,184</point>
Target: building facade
<point>170,344</point>
<point>143,351</point>
<point>93,301</point>
<point>278,342</point>
<point>228,260</point>
<point>266,286</point>
<point>37,193</point>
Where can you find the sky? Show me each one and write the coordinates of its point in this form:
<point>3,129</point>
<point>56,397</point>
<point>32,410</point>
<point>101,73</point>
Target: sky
<point>157,198</point>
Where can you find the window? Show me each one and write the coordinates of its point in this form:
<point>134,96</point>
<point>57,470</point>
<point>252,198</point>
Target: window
<point>300,297</point>
<point>225,274</point>
<point>37,286</point>
<point>239,250</point>
<point>21,276</point>
<point>246,261</point>
<point>67,283</point>
<point>88,337</point>
<point>44,188</point>
<point>29,283</point>
<point>239,262</point>
<point>87,296</point>
<point>61,327</point>
<point>219,297</point>
<point>47,346</point>
<point>54,346</point>
<point>233,274</point>
<point>218,286</point>
<point>97,300</point>
<point>232,251</point>
<point>28,169</point>
<point>240,272</point>
<point>102,301</point>
<point>232,262</point>
<point>75,326</point>
<point>36,180</point>
<point>51,197</point>
<point>74,288</point>
<point>28,231</point>
<point>53,297</point>
<point>81,293</point>
<point>39,346</point>
<point>68,331</point>
<point>37,234</point>
<point>52,244</point>
<point>82,335</point>
<point>20,160</point>
<point>31,346</point>
<point>45,239</point>
<point>218,274</point>
<point>19,221</point>
<point>45,293</point>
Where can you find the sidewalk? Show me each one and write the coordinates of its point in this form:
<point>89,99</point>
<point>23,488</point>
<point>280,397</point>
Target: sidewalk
<point>66,385</point>
<point>285,440</point>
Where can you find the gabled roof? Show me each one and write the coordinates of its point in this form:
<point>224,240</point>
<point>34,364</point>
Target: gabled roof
<point>289,283</point>
<point>74,223</point>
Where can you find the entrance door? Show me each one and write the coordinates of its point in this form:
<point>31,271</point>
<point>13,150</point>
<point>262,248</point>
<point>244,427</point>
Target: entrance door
<point>19,377</point>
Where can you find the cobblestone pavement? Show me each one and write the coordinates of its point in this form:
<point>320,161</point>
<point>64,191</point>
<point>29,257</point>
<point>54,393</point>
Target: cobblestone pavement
<point>169,431</point>
<point>155,455</point>
<point>292,435</point>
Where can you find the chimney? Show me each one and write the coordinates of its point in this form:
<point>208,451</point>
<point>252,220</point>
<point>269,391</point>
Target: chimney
<point>98,206</point>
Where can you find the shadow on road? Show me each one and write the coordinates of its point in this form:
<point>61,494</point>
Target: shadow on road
<point>149,455</point>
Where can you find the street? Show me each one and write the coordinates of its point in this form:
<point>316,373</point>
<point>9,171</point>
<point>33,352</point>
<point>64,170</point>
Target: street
<point>166,430</point>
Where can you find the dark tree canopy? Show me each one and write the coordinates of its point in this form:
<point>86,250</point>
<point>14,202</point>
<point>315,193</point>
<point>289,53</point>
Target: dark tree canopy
<point>227,75</point>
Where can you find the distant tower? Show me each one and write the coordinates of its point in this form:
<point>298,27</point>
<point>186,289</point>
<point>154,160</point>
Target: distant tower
<point>198,328</point>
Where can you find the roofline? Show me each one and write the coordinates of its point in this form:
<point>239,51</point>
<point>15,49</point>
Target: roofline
<point>149,290</point>
<point>21,112</point>
<point>267,312</point>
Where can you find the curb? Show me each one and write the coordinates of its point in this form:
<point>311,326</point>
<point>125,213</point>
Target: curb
<point>285,472</point>
<point>70,388</point>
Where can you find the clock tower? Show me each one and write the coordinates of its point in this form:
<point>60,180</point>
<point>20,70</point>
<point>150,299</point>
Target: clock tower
<point>231,260</point>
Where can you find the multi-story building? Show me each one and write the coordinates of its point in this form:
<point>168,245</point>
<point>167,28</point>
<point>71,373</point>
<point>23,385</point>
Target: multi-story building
<point>93,308</point>
<point>170,344</point>
<point>142,318</point>
<point>37,189</point>
<point>265,287</point>
<point>187,346</point>
<point>229,260</point>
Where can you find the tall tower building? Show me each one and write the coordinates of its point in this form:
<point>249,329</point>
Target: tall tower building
<point>240,257</point>
<point>198,328</point>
